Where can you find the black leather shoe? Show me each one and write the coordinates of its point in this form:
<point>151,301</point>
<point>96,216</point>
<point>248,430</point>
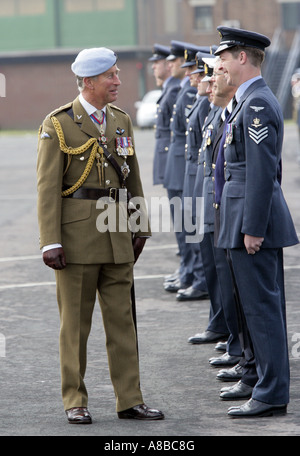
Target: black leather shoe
<point>172,277</point>
<point>221,346</point>
<point>224,360</point>
<point>79,415</point>
<point>206,337</point>
<point>238,391</point>
<point>254,408</point>
<point>141,412</point>
<point>191,294</point>
<point>230,375</point>
<point>174,286</point>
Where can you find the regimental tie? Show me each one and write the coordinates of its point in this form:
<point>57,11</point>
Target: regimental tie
<point>99,119</point>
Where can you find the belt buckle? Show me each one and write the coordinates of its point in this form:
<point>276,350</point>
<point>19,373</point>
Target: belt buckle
<point>112,196</point>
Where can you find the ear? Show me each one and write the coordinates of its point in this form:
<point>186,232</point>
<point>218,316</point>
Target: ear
<point>88,82</point>
<point>243,57</point>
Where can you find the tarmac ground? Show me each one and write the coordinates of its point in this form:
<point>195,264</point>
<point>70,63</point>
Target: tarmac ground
<point>175,376</point>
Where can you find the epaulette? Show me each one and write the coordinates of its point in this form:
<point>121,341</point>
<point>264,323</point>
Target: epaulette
<point>61,109</point>
<point>117,108</point>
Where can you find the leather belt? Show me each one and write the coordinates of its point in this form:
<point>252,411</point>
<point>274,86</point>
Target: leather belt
<point>96,193</point>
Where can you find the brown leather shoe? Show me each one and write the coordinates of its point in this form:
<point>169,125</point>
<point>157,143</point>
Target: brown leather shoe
<point>141,412</point>
<point>79,415</point>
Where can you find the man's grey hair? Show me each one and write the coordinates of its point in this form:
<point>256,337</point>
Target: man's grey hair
<point>80,82</point>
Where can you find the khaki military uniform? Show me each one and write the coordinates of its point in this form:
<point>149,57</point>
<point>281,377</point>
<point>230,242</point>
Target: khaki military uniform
<point>96,261</point>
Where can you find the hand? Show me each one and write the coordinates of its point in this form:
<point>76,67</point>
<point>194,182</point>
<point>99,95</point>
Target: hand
<point>55,258</point>
<point>138,245</point>
<point>252,243</point>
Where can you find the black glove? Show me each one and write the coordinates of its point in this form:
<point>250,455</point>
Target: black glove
<point>55,258</point>
<point>138,245</point>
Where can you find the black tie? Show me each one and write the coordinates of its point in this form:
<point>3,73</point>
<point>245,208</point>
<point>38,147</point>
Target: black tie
<point>234,103</point>
<point>219,172</point>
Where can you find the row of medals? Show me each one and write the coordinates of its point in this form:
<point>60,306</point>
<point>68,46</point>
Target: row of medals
<point>124,149</point>
<point>229,134</point>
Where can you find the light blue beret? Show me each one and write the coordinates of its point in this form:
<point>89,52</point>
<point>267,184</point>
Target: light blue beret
<point>91,62</point>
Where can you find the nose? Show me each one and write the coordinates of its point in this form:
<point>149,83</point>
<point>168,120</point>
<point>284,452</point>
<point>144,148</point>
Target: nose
<point>117,80</point>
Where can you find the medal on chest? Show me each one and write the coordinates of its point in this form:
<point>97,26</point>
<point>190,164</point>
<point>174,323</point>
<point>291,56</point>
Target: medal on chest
<point>229,134</point>
<point>124,149</point>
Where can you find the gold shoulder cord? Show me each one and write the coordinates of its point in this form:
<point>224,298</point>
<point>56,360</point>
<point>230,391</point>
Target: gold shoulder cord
<point>76,151</point>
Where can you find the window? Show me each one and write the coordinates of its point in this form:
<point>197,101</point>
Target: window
<point>203,18</point>
<point>22,7</point>
<point>79,6</point>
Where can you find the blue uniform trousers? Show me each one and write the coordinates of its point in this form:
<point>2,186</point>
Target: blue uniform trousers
<point>265,318</point>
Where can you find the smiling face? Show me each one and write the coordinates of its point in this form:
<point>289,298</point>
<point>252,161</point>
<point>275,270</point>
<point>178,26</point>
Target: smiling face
<point>102,89</point>
<point>230,66</point>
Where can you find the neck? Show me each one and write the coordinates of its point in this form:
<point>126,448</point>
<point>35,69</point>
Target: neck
<point>253,72</point>
<point>88,96</point>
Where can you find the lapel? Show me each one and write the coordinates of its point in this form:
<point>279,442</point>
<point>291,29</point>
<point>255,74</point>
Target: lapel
<point>86,125</point>
<point>211,115</point>
<point>83,120</point>
<point>111,124</point>
<point>257,84</point>
<point>216,143</point>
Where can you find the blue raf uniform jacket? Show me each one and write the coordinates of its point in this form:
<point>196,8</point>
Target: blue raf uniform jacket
<point>210,131</point>
<point>162,128</point>
<point>252,200</point>
<point>175,167</point>
<point>195,121</point>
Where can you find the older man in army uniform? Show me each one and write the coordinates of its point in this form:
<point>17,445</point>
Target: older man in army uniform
<point>86,152</point>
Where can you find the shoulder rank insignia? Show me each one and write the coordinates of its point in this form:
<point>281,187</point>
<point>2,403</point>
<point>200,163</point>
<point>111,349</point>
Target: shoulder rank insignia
<point>258,135</point>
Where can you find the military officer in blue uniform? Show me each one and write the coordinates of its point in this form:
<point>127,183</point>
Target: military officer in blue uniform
<point>217,328</point>
<point>194,123</point>
<point>175,166</point>
<point>255,222</point>
<point>170,87</point>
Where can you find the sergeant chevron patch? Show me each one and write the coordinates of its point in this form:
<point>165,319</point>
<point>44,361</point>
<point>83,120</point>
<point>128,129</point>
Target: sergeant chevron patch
<point>258,135</point>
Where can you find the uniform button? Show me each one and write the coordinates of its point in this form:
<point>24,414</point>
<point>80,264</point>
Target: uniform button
<point>107,182</point>
<point>166,148</point>
<point>81,158</point>
<point>106,164</point>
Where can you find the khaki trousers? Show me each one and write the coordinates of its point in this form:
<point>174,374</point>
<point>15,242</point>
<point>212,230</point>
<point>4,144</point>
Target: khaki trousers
<point>77,286</point>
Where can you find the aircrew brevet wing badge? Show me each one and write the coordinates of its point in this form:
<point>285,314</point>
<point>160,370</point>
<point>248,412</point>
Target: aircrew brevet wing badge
<point>257,108</point>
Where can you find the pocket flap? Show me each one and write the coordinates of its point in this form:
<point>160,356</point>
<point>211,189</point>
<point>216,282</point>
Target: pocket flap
<point>74,210</point>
